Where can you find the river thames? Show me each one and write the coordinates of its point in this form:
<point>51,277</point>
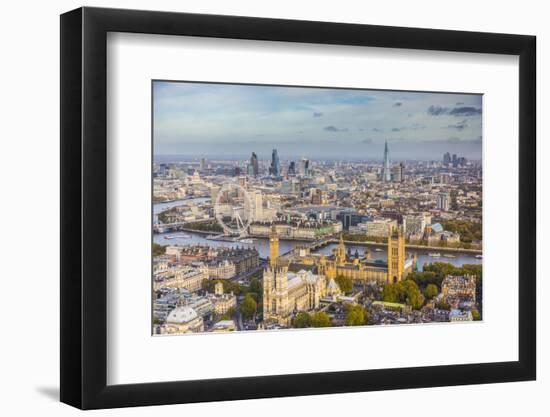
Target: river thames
<point>262,245</point>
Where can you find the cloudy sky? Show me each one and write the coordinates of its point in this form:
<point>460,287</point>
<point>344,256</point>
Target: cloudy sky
<point>217,120</point>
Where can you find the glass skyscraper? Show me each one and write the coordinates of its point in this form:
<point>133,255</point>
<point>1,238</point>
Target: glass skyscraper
<point>275,168</point>
<point>386,174</point>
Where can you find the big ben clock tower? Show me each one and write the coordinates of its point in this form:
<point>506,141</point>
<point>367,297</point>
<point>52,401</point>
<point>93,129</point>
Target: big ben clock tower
<point>273,246</point>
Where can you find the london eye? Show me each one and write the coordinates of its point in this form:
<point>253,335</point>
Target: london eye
<point>232,209</point>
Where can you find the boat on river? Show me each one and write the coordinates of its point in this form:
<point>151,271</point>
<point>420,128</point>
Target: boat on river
<point>434,254</point>
<point>449,255</point>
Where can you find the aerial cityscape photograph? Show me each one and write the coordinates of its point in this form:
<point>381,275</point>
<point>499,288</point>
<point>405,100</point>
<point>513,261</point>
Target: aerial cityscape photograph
<point>282,207</point>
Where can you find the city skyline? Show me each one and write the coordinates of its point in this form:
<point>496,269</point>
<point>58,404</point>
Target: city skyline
<point>375,160</point>
<point>232,121</point>
<point>290,207</point>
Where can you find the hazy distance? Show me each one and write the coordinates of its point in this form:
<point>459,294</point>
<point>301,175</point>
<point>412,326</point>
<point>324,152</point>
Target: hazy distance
<point>195,120</point>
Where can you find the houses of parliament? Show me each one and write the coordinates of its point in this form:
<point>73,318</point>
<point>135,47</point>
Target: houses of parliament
<point>285,292</point>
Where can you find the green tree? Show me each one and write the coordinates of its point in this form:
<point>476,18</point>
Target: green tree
<point>208,285</point>
<point>158,250</point>
<point>431,291</point>
<point>390,294</point>
<point>403,292</point>
<point>302,320</point>
<point>345,284</point>
<point>248,307</point>
<point>211,226</point>
<point>255,286</point>
<point>320,319</point>
<point>413,295</point>
<point>424,278</point>
<point>468,231</point>
<point>255,296</point>
<point>356,316</point>
<point>231,312</point>
<point>230,286</point>
<point>442,269</point>
<point>442,305</point>
<point>363,238</point>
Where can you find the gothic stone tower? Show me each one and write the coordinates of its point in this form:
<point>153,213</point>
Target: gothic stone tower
<point>396,255</point>
<point>273,246</point>
<point>275,297</point>
<point>275,283</point>
<point>340,254</point>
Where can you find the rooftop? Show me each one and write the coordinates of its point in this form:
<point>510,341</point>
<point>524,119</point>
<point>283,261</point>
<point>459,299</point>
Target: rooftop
<point>181,315</point>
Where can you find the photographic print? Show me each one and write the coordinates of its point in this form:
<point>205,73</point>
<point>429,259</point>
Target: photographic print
<point>285,207</point>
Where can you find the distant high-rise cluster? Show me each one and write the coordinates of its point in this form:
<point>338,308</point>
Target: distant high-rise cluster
<point>453,160</point>
<point>302,168</point>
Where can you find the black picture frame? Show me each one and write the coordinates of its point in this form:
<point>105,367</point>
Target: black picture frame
<point>84,207</point>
